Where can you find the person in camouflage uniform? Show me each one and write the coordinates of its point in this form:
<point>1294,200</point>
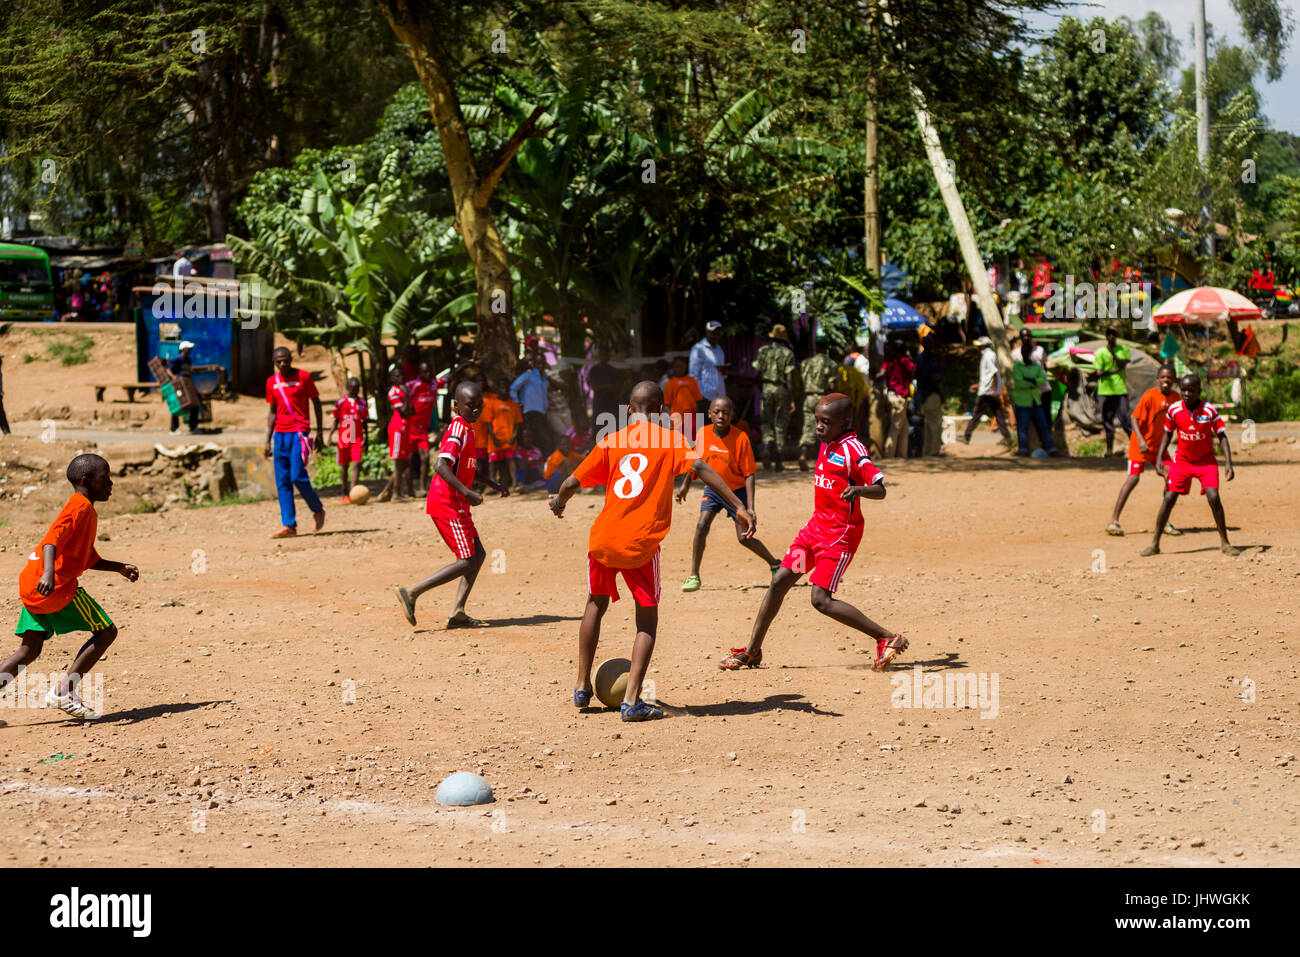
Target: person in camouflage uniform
<point>821,376</point>
<point>774,367</point>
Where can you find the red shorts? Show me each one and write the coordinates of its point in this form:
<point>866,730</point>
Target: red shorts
<point>399,445</point>
<point>459,533</point>
<point>418,440</point>
<point>1182,473</point>
<point>827,562</point>
<point>501,455</point>
<point>643,582</point>
<point>350,453</point>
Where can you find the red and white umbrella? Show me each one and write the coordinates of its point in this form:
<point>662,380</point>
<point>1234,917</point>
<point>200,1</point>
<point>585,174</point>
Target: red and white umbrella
<point>1204,304</point>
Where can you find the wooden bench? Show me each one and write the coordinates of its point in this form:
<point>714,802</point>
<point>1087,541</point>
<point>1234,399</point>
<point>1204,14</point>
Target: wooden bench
<point>131,389</point>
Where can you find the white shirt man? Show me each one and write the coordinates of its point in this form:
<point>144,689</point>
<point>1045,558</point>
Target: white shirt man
<point>183,268</point>
<point>706,357</point>
<point>990,374</point>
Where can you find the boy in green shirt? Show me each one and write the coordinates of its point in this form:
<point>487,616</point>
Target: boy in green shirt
<point>1112,387</point>
<point>1027,379</point>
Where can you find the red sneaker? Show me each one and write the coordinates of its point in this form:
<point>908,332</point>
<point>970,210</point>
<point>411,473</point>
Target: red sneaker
<point>739,658</point>
<point>887,649</point>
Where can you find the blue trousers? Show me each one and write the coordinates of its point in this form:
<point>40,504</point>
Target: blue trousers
<point>1033,413</point>
<point>291,470</point>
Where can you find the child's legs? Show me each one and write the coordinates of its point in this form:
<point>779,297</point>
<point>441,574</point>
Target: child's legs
<point>755,546</point>
<point>424,468</point>
<point>647,623</point>
<point>285,450</point>
<point>471,573</point>
<point>701,535</point>
<point>589,637</point>
<point>1125,490</point>
<point>88,657</point>
<point>782,582</point>
<point>29,649</point>
<point>1216,507</point>
<point>1162,517</point>
<point>841,611</point>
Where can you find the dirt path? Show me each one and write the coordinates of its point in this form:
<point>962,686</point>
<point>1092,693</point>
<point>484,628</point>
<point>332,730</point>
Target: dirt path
<point>267,703</point>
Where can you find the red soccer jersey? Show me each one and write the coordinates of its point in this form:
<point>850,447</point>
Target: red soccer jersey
<point>840,463</point>
<point>290,399</point>
<point>1196,432</point>
<point>351,415</point>
<point>458,449</point>
<point>424,396</point>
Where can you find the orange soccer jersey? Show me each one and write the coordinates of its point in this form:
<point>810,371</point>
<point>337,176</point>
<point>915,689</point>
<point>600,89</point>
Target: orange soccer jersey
<point>637,465</point>
<point>681,394</point>
<point>556,458</point>
<point>73,538</point>
<point>506,417</point>
<point>1149,419</point>
<point>732,457</point>
<point>483,424</point>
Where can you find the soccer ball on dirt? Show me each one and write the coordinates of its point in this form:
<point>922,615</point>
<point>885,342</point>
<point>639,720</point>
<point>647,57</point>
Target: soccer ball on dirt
<point>359,495</point>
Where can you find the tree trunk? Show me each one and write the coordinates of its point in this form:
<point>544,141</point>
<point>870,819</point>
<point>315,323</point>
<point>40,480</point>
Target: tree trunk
<point>871,184</point>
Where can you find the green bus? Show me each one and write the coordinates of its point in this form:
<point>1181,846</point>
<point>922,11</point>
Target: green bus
<point>26,290</point>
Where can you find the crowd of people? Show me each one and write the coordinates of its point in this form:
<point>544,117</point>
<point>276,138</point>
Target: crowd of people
<point>82,297</point>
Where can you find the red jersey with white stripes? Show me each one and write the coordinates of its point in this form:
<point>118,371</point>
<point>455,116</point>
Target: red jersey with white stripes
<point>396,399</point>
<point>1196,431</point>
<point>458,450</point>
<point>351,415</point>
<point>840,463</point>
<point>424,396</point>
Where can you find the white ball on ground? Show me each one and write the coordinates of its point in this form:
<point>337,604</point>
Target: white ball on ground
<point>463,789</point>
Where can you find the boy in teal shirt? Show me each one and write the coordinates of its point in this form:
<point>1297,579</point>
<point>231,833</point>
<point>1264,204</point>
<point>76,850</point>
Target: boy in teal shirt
<point>1027,380</point>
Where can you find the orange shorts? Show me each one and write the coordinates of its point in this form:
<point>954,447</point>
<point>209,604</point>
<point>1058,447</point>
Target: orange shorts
<point>643,582</point>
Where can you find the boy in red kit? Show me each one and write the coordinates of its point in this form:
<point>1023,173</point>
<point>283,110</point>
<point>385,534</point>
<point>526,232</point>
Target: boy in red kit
<point>448,504</point>
<point>424,396</point>
<point>54,603</point>
<point>638,466</point>
<point>1197,423</point>
<point>827,544</point>
<point>399,449</point>
<point>1148,427</point>
<point>350,416</point>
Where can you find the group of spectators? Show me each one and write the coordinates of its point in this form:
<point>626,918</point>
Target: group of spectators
<point>82,297</point>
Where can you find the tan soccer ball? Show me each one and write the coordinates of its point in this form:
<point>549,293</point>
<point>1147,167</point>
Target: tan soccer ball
<point>360,494</point>
<point>611,681</point>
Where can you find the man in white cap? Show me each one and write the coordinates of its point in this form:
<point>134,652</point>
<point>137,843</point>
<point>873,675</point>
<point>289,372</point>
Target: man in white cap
<point>988,398</point>
<point>707,362</point>
<point>182,367</point>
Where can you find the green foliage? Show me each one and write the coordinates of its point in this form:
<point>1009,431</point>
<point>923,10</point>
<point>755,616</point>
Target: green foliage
<point>375,463</point>
<point>1090,449</point>
<point>1273,398</point>
<point>235,499</point>
<point>144,507</point>
<point>71,352</point>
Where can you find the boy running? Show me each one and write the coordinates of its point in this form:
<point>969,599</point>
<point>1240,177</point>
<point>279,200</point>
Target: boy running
<point>1197,423</point>
<point>637,465</point>
<point>829,541</point>
<point>54,603</point>
<point>1148,427</point>
<point>350,416</point>
<point>399,449</point>
<point>728,451</point>
<point>448,504</point>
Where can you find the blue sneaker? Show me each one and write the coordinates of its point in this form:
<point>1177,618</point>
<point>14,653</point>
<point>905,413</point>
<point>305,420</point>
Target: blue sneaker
<point>581,698</point>
<point>641,711</point>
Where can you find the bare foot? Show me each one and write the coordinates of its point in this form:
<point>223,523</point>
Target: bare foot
<point>1150,550</point>
<point>286,531</point>
<point>1229,549</point>
<point>319,519</point>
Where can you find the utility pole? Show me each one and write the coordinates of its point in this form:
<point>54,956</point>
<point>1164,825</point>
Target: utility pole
<point>1203,132</point>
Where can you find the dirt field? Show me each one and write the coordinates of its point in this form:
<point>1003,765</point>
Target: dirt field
<point>267,703</point>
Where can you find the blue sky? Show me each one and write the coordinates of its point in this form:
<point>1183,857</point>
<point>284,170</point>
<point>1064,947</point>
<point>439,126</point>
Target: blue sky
<point>1281,100</point>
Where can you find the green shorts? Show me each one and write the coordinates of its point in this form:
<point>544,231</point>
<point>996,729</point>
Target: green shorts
<point>81,614</point>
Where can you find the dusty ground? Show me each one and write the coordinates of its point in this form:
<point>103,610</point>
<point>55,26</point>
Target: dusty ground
<point>267,703</point>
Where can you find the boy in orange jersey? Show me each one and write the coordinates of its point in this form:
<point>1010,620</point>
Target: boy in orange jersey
<point>727,449</point>
<point>507,422</point>
<point>54,603</point>
<point>561,464</point>
<point>1148,430</point>
<point>682,395</point>
<point>638,466</point>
